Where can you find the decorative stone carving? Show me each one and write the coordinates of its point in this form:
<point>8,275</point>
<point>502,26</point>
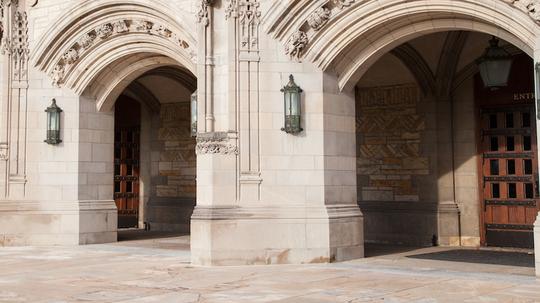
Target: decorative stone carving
<point>58,75</point>
<point>104,31</point>
<point>163,31</point>
<point>215,143</point>
<point>143,25</point>
<point>120,27</point>
<point>87,40</point>
<point>296,44</point>
<point>319,18</point>
<point>343,3</point>
<point>231,10</point>
<point>3,151</point>
<point>71,56</point>
<point>531,7</point>
<point>202,14</point>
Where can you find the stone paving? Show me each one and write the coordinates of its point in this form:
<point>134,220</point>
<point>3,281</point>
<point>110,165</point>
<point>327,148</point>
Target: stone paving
<point>158,270</point>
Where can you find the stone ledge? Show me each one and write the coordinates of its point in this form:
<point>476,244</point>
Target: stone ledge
<point>275,212</point>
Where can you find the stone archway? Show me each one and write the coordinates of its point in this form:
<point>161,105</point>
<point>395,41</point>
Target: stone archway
<point>100,51</point>
<point>347,37</point>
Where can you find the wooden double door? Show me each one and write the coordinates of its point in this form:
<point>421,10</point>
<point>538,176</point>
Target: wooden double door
<point>127,161</point>
<point>510,175</point>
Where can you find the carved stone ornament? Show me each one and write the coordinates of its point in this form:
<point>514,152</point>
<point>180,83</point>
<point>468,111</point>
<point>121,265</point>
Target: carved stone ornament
<point>3,151</point>
<point>105,32</point>
<point>531,7</point>
<point>120,26</point>
<point>202,13</point>
<point>71,56</point>
<point>343,3</point>
<point>319,18</point>
<point>296,44</point>
<point>215,143</point>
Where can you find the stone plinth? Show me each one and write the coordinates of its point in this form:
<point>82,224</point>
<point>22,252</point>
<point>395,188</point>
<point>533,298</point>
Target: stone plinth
<point>286,235</point>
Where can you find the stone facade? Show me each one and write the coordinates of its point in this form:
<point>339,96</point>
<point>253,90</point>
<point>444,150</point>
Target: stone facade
<point>262,196</point>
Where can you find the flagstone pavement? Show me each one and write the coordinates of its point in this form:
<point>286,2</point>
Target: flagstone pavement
<point>158,270</point>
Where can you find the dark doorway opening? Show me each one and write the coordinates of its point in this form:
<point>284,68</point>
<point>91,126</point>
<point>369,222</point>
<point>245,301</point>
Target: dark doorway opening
<point>127,130</point>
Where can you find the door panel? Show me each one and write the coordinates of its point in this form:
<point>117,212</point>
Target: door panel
<point>126,161</point>
<point>509,180</point>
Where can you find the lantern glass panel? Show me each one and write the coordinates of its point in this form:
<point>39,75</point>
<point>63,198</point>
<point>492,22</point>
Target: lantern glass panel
<point>495,73</point>
<point>295,103</point>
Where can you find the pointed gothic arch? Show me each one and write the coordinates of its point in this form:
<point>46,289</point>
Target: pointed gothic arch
<point>98,47</point>
<point>348,36</point>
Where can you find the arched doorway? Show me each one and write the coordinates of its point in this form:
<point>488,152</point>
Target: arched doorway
<point>430,168</point>
<point>113,58</point>
<point>154,152</point>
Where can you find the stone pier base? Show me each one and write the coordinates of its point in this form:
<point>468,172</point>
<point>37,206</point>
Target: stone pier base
<point>57,223</point>
<point>246,236</point>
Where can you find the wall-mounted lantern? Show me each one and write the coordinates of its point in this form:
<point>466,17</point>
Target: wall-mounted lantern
<point>53,123</point>
<point>292,100</point>
<point>194,114</point>
<point>495,65</point>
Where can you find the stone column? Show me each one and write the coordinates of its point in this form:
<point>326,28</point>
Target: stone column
<point>265,196</point>
<point>448,211</point>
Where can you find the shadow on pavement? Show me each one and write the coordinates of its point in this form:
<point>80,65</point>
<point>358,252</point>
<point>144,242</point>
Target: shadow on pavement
<point>141,234</point>
<point>520,259</point>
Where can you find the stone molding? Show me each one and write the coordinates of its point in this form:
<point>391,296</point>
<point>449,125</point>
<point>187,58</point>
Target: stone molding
<point>329,43</point>
<point>56,206</point>
<point>108,31</point>
<point>338,211</point>
<point>215,143</point>
<point>318,19</point>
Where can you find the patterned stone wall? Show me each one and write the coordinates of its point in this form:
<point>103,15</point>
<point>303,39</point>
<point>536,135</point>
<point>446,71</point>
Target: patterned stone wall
<point>389,137</point>
<point>177,160</point>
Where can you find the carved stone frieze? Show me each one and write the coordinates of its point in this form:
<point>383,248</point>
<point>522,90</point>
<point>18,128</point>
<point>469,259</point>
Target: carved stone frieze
<point>296,44</point>
<point>216,143</point>
<point>106,32</point>
<point>319,18</point>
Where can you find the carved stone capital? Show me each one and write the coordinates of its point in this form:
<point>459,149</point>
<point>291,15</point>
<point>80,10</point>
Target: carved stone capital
<point>216,143</point>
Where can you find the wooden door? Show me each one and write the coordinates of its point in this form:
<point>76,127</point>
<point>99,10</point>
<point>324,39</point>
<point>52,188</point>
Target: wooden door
<point>510,175</point>
<point>126,161</point>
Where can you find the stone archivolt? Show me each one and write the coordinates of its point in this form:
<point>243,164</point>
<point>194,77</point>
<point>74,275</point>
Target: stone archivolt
<point>106,32</point>
<point>299,40</point>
